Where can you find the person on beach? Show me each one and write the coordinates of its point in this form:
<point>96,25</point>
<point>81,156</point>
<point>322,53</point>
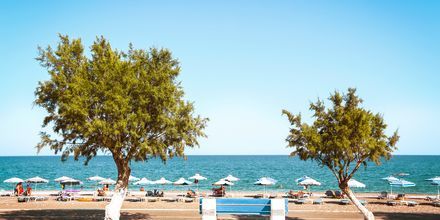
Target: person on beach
<point>142,189</point>
<point>28,190</point>
<point>105,188</point>
<point>191,193</point>
<point>18,191</point>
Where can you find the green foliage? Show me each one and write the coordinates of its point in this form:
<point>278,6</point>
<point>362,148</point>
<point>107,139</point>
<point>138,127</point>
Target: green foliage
<point>127,103</point>
<point>342,137</point>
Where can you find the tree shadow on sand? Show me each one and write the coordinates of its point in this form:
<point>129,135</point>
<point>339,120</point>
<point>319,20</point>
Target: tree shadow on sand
<point>52,214</point>
<point>404,216</point>
<point>378,215</point>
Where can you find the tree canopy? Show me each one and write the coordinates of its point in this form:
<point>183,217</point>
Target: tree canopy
<point>129,104</point>
<point>342,137</point>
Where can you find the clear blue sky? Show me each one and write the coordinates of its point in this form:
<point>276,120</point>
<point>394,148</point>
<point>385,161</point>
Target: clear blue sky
<point>244,61</point>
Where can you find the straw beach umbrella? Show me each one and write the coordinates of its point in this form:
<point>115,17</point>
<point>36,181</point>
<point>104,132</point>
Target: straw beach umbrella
<point>71,182</point>
<point>133,178</point>
<point>390,179</point>
<point>437,178</point>
<point>308,182</point>
<point>107,182</point>
<point>352,183</point>
<point>196,179</point>
<point>223,182</point>
<point>162,181</point>
<point>13,180</point>
<point>301,179</point>
<point>36,180</point>
<point>144,181</point>
<point>265,181</point>
<point>96,178</point>
<point>402,183</point>
<point>231,178</point>
<point>60,179</point>
<point>182,182</point>
<point>437,183</point>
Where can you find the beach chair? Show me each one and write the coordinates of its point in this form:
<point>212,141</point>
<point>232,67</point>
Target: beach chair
<point>258,196</point>
<point>275,208</point>
<point>400,197</point>
<point>412,203</point>
<point>318,201</point>
<point>135,199</point>
<point>64,198</point>
<point>301,201</point>
<point>5,193</point>
<point>271,196</point>
<point>339,195</point>
<point>344,202</point>
<point>431,198</point>
<point>152,200</point>
<point>24,199</point>
<point>188,200</point>
<point>330,193</point>
<point>383,195</point>
<point>436,203</point>
<point>149,193</point>
<point>392,203</point>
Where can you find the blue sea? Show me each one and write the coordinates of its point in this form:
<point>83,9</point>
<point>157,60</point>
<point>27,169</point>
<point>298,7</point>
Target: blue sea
<point>248,168</point>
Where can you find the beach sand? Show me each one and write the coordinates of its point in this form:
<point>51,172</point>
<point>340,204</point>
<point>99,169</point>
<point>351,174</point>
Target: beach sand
<point>52,209</point>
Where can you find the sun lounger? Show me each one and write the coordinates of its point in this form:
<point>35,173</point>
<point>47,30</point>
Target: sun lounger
<point>344,202</point>
<point>300,201</point>
<point>5,193</point>
<point>170,199</point>
<point>64,198</point>
<point>412,203</point>
<point>339,195</point>
<point>152,200</point>
<point>259,196</point>
<point>188,200</point>
<point>24,199</point>
<point>392,203</point>
<point>85,199</point>
<point>330,193</point>
<point>383,195</point>
<point>431,198</point>
<point>318,201</point>
<point>135,199</point>
<point>400,197</point>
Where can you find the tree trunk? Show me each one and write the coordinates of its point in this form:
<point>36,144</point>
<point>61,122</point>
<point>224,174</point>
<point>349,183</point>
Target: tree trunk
<point>113,209</point>
<point>367,214</point>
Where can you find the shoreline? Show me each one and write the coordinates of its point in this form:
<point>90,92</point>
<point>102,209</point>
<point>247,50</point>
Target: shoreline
<point>239,194</point>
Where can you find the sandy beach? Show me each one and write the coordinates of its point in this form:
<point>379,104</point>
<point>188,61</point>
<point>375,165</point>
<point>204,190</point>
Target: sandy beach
<point>162,209</point>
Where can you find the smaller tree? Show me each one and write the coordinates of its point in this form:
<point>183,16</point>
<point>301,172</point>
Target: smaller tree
<point>342,138</point>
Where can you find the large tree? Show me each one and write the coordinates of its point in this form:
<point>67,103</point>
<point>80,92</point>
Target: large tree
<point>126,104</point>
<point>343,138</point>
